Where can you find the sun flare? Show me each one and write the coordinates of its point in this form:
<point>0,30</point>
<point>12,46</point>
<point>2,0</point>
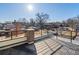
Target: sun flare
<point>30,7</point>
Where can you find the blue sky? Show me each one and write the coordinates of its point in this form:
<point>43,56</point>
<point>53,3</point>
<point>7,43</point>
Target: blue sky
<point>57,12</point>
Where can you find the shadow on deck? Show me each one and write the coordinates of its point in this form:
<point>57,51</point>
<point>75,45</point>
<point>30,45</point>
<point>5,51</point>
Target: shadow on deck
<point>24,49</point>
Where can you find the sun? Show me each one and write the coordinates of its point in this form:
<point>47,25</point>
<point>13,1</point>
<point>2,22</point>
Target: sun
<point>30,7</point>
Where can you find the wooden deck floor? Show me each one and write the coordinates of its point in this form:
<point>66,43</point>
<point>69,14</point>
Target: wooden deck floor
<point>10,43</point>
<point>43,47</point>
<point>47,46</point>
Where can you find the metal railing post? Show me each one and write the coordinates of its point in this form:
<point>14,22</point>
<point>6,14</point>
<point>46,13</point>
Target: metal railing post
<point>71,37</point>
<point>11,35</point>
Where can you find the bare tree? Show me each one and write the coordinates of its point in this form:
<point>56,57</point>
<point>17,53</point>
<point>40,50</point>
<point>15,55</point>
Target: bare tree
<point>32,22</point>
<point>41,20</point>
<point>72,24</point>
<point>24,22</point>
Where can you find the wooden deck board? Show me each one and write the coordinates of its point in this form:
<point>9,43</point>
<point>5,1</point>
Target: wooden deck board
<point>6,44</point>
<point>46,47</point>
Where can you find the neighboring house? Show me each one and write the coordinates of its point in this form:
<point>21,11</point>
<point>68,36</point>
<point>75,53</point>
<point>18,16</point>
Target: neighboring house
<point>1,26</point>
<point>9,26</point>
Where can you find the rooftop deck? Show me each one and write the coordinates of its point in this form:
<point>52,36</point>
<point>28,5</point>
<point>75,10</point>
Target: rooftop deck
<point>45,46</point>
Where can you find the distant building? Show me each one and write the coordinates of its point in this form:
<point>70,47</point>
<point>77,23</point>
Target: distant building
<point>77,27</point>
<point>14,26</point>
<point>1,26</point>
<point>9,26</point>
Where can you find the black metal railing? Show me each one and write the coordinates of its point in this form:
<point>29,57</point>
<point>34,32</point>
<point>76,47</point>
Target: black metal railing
<point>13,34</point>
